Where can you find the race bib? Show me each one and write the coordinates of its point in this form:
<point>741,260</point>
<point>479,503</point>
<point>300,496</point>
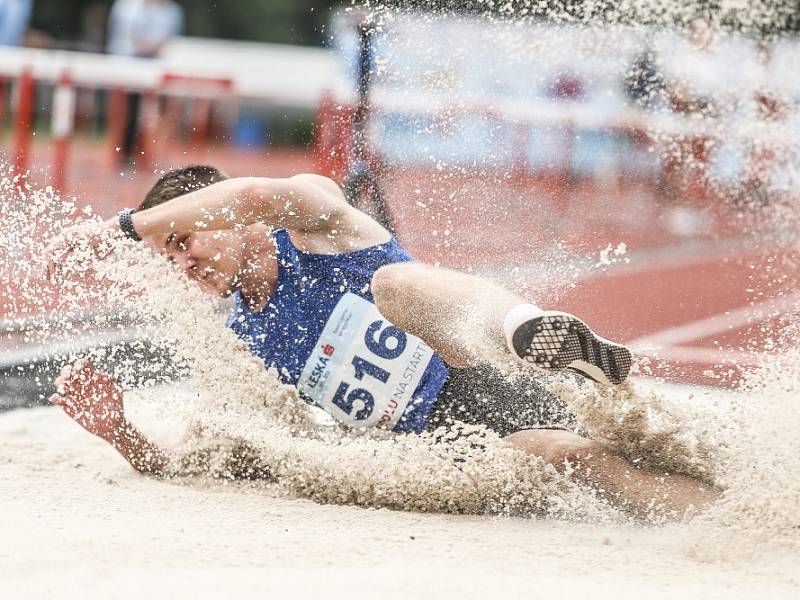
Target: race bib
<point>363,370</point>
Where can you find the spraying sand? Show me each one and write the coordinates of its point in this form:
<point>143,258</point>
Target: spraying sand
<point>254,426</point>
<point>500,522</point>
<point>84,525</point>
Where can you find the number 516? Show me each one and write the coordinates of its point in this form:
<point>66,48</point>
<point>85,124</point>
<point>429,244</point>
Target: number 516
<point>388,344</point>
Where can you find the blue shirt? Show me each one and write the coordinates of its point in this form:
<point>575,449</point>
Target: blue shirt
<point>323,334</point>
<point>15,16</point>
<point>154,23</point>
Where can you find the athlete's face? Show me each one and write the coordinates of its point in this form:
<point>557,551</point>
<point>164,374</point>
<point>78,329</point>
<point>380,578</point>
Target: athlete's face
<point>700,33</point>
<point>212,258</point>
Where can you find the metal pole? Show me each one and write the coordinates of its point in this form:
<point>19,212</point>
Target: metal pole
<point>116,116</point>
<point>148,130</point>
<point>362,185</point>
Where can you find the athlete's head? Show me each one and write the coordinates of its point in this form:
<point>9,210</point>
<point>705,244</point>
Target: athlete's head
<point>700,32</point>
<point>212,258</point>
<point>181,181</point>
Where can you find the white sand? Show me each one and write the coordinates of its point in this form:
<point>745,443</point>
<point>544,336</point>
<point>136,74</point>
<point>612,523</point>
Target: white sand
<point>77,522</point>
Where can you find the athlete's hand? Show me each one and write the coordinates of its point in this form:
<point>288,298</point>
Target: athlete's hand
<point>92,398</point>
<point>79,244</point>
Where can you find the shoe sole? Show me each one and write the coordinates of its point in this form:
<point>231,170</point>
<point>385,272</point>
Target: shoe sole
<point>558,341</point>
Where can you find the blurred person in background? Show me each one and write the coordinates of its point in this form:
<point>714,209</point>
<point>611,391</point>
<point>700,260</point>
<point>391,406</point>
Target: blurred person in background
<point>91,103</point>
<point>644,80</point>
<point>94,28</point>
<point>141,28</point>
<point>693,77</point>
<point>769,104</point>
<point>15,16</point>
<point>696,77</point>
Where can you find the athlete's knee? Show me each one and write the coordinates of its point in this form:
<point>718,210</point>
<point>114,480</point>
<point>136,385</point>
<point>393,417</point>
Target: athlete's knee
<point>571,450</point>
<point>390,284</point>
<point>555,447</point>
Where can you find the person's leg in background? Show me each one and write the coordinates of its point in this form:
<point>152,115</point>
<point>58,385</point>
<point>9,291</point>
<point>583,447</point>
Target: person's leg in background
<point>130,144</point>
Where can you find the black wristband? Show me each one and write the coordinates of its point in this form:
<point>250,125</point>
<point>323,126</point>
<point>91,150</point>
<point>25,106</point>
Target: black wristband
<point>126,225</point>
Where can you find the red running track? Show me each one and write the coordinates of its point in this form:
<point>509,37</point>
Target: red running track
<point>692,302</point>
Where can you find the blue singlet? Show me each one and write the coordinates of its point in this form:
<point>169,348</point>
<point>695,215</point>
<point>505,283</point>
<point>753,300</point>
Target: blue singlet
<point>324,335</point>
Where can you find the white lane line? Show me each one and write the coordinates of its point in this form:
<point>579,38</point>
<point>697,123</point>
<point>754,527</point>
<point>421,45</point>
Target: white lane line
<point>25,354</point>
<point>703,356</point>
<point>729,320</point>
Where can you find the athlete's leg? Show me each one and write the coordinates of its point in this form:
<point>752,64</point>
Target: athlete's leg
<point>467,319</point>
<point>641,490</point>
<point>457,314</point>
<point>461,316</point>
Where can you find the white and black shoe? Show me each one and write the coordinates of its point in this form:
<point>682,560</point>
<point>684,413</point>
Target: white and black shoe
<point>555,341</point>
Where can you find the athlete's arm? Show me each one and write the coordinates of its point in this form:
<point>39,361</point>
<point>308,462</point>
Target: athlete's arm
<point>303,203</point>
<point>94,401</point>
<point>310,205</point>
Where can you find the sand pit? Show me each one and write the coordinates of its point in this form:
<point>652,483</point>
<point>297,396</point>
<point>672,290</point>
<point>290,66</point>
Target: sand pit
<point>374,515</point>
<point>83,524</point>
<point>79,523</point>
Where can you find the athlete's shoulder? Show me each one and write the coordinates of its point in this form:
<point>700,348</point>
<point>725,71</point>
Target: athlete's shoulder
<point>348,227</point>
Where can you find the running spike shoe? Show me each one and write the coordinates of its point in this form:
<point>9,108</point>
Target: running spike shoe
<point>556,340</point>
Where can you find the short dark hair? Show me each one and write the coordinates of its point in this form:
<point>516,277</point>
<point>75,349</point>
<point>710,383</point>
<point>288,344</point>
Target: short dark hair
<point>181,181</point>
